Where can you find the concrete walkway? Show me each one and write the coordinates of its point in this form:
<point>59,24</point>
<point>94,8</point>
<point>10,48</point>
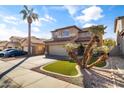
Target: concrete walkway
<point>116,65</point>
<point>22,76</point>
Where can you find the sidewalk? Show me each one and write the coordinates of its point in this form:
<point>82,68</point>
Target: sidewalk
<point>115,63</point>
<point>26,78</point>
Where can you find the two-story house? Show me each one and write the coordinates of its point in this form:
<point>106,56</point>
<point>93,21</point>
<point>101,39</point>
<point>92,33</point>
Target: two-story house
<point>119,30</point>
<point>62,36</point>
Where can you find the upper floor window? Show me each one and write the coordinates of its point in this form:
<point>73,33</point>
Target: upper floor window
<point>65,33</point>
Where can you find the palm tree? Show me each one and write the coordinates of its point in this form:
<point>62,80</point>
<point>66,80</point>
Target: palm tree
<point>30,16</point>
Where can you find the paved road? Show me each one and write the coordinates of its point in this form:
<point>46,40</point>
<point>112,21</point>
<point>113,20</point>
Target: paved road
<point>22,76</point>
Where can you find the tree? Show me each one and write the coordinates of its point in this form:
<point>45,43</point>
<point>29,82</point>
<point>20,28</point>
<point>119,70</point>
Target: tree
<point>94,42</point>
<point>109,42</point>
<point>30,16</point>
<point>80,49</point>
<point>99,32</point>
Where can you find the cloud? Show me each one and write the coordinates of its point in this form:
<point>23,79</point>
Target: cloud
<point>88,24</point>
<point>90,13</point>
<point>72,10</point>
<point>56,7</point>
<point>10,19</point>
<point>48,18</point>
<point>6,33</point>
<point>35,29</point>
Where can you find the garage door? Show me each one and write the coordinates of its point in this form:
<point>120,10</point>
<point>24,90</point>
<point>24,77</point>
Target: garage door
<point>57,50</point>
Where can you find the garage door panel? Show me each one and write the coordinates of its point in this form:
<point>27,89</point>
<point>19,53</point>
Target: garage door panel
<point>57,50</point>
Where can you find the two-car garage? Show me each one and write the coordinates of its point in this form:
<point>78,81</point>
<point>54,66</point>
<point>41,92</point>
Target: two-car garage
<point>58,50</point>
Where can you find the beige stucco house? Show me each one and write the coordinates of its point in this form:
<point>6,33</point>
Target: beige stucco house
<point>119,30</point>
<point>62,36</point>
<point>37,45</point>
<point>15,42</point>
<point>3,45</point>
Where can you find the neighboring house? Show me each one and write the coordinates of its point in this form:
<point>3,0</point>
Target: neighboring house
<point>3,44</point>
<point>37,45</point>
<point>62,36</point>
<point>14,42</point>
<point>119,30</point>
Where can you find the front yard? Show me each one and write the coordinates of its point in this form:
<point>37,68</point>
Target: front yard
<point>67,67</point>
<point>102,64</point>
<point>62,67</point>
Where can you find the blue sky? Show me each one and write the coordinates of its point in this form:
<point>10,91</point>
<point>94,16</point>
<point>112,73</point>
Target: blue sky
<point>52,17</point>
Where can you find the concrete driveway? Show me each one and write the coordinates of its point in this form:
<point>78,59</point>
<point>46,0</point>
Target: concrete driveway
<point>31,62</point>
<point>22,76</point>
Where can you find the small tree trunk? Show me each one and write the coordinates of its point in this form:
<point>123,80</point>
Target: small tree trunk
<point>74,57</point>
<point>87,51</point>
<point>99,60</point>
<point>29,39</point>
<point>100,43</point>
<point>89,56</point>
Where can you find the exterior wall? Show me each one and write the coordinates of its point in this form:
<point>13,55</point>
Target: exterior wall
<point>14,40</point>
<point>25,48</point>
<point>54,43</point>
<point>1,48</point>
<point>122,24</point>
<point>120,39</point>
<point>122,46</point>
<point>57,48</point>
<point>15,45</point>
<point>119,26</point>
<point>85,34</point>
<point>58,34</point>
<point>115,51</point>
<point>36,49</point>
<point>39,49</point>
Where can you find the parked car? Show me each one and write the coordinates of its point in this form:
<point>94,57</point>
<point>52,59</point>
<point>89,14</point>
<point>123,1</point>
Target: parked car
<point>12,53</point>
<point>2,53</point>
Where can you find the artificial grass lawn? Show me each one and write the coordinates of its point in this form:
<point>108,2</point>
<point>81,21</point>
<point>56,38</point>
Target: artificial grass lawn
<point>62,67</point>
<point>67,67</point>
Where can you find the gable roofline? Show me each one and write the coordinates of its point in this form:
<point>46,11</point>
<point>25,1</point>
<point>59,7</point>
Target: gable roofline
<point>115,22</point>
<point>3,43</point>
<point>33,41</point>
<point>66,28</point>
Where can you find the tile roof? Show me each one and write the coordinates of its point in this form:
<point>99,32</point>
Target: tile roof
<point>83,39</point>
<point>60,39</point>
<point>79,39</point>
<point>67,28</point>
<point>3,43</point>
<point>33,40</point>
